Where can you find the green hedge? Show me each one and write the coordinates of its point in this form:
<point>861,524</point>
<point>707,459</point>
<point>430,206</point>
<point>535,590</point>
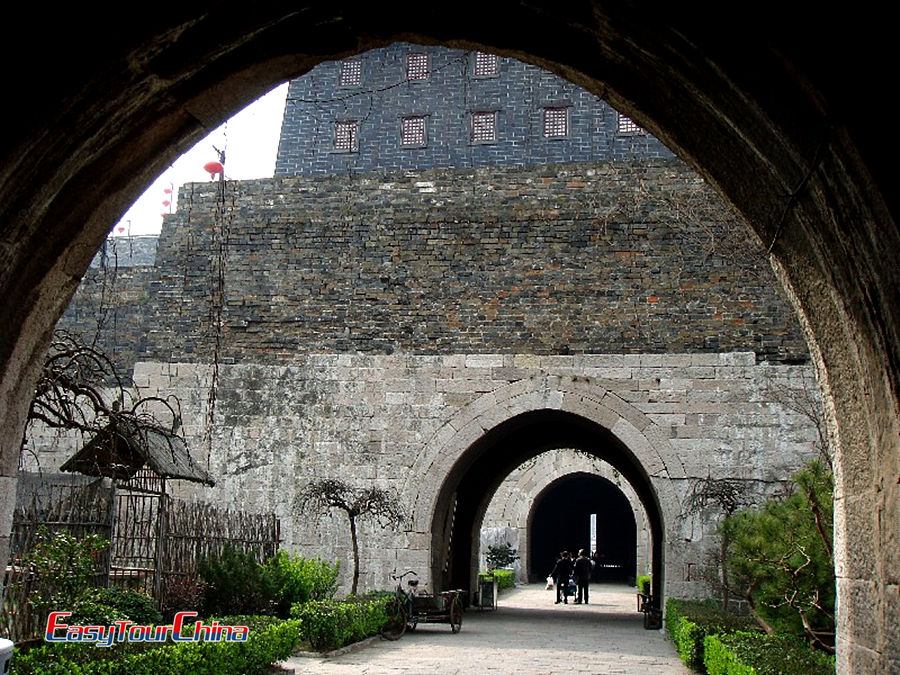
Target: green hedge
<point>102,606</point>
<point>690,621</point>
<point>269,640</point>
<point>332,624</point>
<point>744,653</point>
<point>505,578</point>
<point>643,584</point>
<point>298,579</point>
<point>237,583</point>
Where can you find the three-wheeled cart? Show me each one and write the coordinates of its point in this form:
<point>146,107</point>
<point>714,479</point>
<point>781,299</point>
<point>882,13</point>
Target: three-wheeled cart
<point>410,608</point>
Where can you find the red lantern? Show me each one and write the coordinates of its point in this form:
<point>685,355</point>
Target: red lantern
<point>166,202</point>
<point>168,191</point>
<point>213,168</point>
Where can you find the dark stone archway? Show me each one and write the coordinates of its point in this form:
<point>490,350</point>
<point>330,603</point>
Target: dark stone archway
<point>776,107</point>
<point>560,520</point>
<point>474,478</point>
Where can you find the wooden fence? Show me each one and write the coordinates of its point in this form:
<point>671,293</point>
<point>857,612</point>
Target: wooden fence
<point>157,542</point>
<point>76,505</point>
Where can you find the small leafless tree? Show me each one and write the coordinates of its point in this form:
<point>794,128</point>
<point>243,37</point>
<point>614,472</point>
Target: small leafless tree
<point>79,390</point>
<point>378,503</point>
<point>725,496</point>
<point>806,402</point>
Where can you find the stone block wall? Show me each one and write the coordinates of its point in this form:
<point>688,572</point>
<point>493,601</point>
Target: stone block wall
<point>360,322</point>
<point>369,419</point>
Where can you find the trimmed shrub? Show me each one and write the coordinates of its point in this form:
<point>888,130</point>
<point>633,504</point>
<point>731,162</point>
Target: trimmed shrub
<point>182,594</point>
<point>270,640</point>
<point>643,584</point>
<point>297,580</point>
<point>137,607</point>
<point>745,653</point>
<point>505,578</point>
<point>690,621</point>
<point>237,584</point>
<point>332,624</point>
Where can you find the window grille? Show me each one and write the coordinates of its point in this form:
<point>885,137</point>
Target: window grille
<point>412,131</point>
<point>556,122</point>
<point>351,73</point>
<point>346,137</point>
<point>486,65</point>
<point>484,127</point>
<point>417,66</point>
<point>627,126</point>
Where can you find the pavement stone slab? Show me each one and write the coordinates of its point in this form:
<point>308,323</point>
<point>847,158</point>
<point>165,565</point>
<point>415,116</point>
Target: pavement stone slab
<point>527,634</point>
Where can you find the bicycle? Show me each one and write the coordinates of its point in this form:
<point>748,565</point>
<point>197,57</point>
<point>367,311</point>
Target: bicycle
<point>400,608</point>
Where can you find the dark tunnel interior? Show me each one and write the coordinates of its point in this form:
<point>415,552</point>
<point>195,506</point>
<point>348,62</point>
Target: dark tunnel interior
<point>561,519</point>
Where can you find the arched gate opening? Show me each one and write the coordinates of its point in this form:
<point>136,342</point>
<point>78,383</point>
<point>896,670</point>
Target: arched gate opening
<point>469,486</point>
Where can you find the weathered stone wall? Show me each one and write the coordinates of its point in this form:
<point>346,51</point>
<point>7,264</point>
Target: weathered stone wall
<point>401,421</point>
<point>362,324</point>
<point>112,301</point>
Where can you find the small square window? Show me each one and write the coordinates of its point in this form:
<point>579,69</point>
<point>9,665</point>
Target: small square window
<point>412,132</point>
<point>417,66</point>
<point>351,73</point>
<point>484,127</point>
<point>486,65</point>
<point>346,136</point>
<point>556,122</point>
<point>627,126</point>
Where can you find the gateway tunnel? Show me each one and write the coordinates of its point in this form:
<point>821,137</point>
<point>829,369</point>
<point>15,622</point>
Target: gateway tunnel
<point>467,491</point>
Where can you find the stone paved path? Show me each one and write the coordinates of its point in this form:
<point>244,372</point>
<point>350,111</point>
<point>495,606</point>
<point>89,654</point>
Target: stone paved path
<point>527,634</point>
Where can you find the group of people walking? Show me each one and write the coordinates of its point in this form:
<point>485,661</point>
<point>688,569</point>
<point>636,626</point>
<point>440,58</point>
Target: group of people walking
<point>568,571</point>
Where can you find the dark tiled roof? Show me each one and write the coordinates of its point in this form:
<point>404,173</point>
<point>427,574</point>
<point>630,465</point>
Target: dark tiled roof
<point>120,451</point>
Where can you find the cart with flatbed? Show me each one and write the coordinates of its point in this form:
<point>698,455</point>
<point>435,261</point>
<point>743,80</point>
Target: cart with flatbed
<point>409,607</point>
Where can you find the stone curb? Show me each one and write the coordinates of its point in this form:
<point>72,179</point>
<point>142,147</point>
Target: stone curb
<point>355,646</point>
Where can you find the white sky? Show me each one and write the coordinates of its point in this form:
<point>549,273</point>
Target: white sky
<point>250,142</point>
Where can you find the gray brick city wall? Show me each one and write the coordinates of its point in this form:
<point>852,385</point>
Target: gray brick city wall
<point>120,252</point>
<point>607,258</point>
<point>447,99</point>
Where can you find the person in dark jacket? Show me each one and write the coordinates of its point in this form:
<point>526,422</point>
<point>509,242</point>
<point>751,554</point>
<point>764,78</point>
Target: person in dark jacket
<point>562,570</point>
<point>583,568</point>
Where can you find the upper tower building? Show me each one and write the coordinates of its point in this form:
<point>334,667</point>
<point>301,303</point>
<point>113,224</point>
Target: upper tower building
<point>415,107</point>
